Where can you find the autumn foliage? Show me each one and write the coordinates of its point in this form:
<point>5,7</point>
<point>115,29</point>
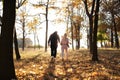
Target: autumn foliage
<point>37,65</point>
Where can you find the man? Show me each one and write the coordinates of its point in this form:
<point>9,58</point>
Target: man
<point>53,43</point>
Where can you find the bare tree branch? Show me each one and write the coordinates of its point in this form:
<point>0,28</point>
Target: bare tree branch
<point>20,3</point>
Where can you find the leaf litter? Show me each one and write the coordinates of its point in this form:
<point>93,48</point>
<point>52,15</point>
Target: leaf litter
<point>38,65</point>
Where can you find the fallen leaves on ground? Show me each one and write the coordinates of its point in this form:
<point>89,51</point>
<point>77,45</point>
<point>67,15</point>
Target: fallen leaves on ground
<point>38,65</point>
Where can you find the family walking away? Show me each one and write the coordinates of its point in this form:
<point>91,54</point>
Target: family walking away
<point>53,43</point>
<point>64,47</point>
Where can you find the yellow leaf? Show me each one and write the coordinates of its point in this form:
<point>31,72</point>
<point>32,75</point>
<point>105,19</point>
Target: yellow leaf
<point>94,74</point>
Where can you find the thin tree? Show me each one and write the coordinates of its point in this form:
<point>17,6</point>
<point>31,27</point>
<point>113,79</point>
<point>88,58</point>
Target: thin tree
<point>46,4</point>
<point>20,3</point>
<point>46,36</point>
<point>16,45</point>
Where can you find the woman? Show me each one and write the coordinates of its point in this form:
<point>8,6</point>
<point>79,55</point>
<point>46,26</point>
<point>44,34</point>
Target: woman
<point>64,46</point>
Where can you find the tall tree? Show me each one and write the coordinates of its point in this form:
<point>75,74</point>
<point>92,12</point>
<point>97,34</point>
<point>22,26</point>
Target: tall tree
<point>22,21</point>
<point>93,25</point>
<point>115,29</point>
<point>46,25</point>
<point>7,69</point>
<point>71,22</point>
<point>90,14</point>
<point>33,27</point>
<point>47,4</point>
<point>95,53</point>
<point>19,4</point>
<point>103,34</point>
<point>77,24</point>
<point>112,8</point>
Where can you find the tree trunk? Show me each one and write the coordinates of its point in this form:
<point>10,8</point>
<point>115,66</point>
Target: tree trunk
<point>112,42</point>
<point>88,37</point>
<point>101,43</point>
<point>34,39</point>
<point>116,35</point>
<point>16,46</point>
<point>95,53</point>
<point>7,70</point>
<point>38,42</point>
<point>77,44</point>
<point>90,16</point>
<point>46,26</point>
<point>71,19</point>
<point>91,34</point>
<point>23,44</point>
<point>77,37</point>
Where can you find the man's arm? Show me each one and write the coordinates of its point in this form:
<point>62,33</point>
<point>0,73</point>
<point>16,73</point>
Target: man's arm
<point>49,40</point>
<point>58,38</point>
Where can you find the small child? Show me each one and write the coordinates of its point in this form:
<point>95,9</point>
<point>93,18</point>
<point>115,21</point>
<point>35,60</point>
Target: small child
<point>64,46</point>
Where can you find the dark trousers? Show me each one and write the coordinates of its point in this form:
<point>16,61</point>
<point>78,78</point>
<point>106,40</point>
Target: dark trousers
<point>53,52</point>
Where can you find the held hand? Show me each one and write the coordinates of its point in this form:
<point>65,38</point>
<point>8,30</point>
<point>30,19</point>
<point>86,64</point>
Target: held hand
<point>60,43</point>
<point>48,44</point>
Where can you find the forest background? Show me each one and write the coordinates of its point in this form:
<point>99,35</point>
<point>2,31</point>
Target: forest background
<point>101,23</point>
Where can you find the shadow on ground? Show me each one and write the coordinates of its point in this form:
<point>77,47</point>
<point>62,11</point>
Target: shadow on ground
<point>78,67</point>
